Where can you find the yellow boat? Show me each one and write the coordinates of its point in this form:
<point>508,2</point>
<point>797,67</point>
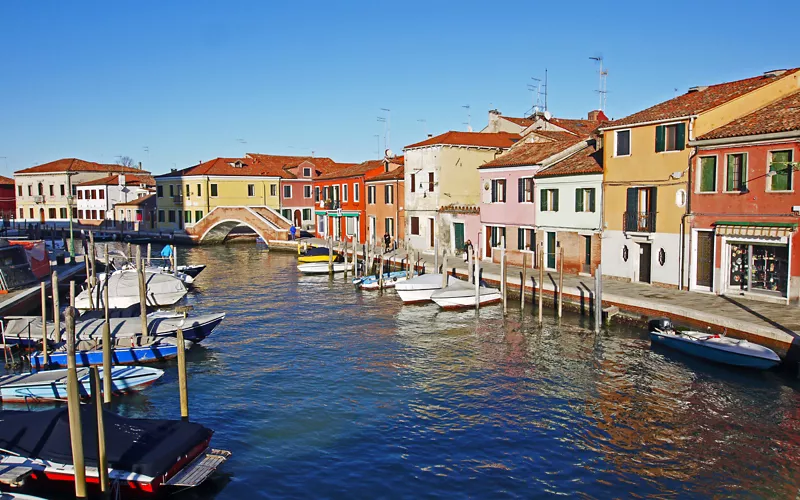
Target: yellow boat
<point>317,254</point>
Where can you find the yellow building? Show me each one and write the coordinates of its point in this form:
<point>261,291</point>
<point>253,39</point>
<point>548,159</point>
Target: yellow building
<point>185,196</point>
<point>647,189</point>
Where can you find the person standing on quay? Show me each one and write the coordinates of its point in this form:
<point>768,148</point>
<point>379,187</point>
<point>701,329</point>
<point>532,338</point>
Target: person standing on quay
<point>292,232</point>
<point>166,253</point>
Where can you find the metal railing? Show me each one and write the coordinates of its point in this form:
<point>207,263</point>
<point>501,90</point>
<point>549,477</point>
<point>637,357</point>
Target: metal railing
<point>639,222</point>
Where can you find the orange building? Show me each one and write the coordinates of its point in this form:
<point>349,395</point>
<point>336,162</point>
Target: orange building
<point>385,200</point>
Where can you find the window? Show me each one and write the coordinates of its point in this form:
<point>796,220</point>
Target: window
<point>389,226</point>
<point>526,239</point>
<point>584,200</point>
<point>622,143</point>
<point>316,194</point>
<point>350,225</point>
<point>640,209</point>
<point>430,182</point>
<point>188,191</point>
<point>497,236</point>
<point>498,190</point>
<point>63,213</point>
<point>707,181</point>
<point>198,214</point>
<point>781,179</point>
<point>306,191</point>
<point>80,194</point>
<point>74,190</point>
<point>171,216</point>
<point>306,214</point>
<point>199,190</point>
<point>171,191</point>
<point>306,172</point>
<point>74,213</point>
<point>371,194</point>
<point>287,191</point>
<point>286,214</point>
<point>388,194</point>
<point>102,194</point>
<point>273,190</point>
<point>670,137</point>
<point>160,216</point>
<point>19,193</point>
<point>40,188</point>
<point>187,217</point>
<point>344,192</point>
<point>335,192</point>
<point>413,183</point>
<point>63,190</point>
<point>548,200</point>
<point>159,191</point>
<point>251,190</point>
<point>356,192</point>
<point>51,213</point>
<point>31,210</point>
<point>214,190</point>
<point>80,213</point>
<point>525,190</point>
<point>52,190</point>
<point>326,193</point>
<point>94,215</point>
<point>735,178</point>
<point>93,194</point>
<point>30,192</point>
<point>414,225</point>
<point>21,211</point>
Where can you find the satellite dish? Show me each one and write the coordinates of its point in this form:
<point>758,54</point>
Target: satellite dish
<point>548,115</point>
<point>388,153</point>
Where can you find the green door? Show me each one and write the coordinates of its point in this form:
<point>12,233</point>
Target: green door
<point>458,237</point>
<point>551,250</point>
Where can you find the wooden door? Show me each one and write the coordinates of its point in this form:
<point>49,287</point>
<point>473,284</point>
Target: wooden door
<point>458,235</point>
<point>704,275</point>
<point>644,262</point>
<point>431,233</point>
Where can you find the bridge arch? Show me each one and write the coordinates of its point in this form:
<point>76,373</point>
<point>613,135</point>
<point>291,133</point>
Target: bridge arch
<point>217,224</point>
<point>220,230</point>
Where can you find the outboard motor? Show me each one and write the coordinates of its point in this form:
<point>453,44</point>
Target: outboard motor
<point>660,324</point>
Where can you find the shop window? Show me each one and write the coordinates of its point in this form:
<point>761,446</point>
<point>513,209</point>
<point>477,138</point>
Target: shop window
<point>759,268</point>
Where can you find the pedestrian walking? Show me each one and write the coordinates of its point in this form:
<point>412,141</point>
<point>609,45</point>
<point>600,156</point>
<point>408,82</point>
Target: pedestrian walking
<point>292,232</point>
<point>166,253</point>
<point>387,242</point>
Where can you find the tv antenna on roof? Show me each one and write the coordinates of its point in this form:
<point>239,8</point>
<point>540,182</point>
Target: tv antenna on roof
<point>387,133</point>
<point>468,123</point>
<point>602,86</point>
<point>536,91</point>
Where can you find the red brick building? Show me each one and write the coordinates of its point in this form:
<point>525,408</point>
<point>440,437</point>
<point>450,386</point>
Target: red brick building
<point>745,205</point>
<point>341,210</point>
<point>8,199</point>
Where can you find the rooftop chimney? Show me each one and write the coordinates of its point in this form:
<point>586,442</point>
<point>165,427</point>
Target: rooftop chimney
<point>697,88</point>
<point>140,165</point>
<point>430,135</point>
<point>597,115</point>
<point>774,73</point>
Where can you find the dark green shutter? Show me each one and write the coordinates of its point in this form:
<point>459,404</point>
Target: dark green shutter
<point>520,190</point>
<point>543,200</point>
<point>555,200</point>
<point>654,205</point>
<point>659,138</point>
<point>591,200</point>
<point>494,191</point>
<point>708,174</point>
<point>579,200</point>
<point>731,170</point>
<point>780,181</point>
<point>680,136</point>
<point>520,238</point>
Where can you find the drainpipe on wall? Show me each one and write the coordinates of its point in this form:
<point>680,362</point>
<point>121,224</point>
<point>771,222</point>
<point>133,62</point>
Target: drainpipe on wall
<point>687,214</point>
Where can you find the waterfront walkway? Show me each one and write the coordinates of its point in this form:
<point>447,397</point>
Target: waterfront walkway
<point>775,325</point>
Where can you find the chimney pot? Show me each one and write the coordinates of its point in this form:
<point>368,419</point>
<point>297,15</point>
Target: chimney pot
<point>430,135</point>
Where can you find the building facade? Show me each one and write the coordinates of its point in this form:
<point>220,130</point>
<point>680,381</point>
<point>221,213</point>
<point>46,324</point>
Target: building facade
<point>8,199</point>
<point>137,214</point>
<point>646,185</point>
<point>96,198</point>
<point>443,171</point>
<point>384,209</point>
<point>745,205</point>
<point>45,193</point>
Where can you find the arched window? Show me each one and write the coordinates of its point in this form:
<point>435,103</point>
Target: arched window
<point>41,189</point>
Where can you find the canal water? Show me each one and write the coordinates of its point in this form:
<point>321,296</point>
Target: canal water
<point>323,391</point>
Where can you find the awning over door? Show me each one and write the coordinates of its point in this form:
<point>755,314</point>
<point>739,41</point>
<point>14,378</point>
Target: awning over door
<point>755,229</point>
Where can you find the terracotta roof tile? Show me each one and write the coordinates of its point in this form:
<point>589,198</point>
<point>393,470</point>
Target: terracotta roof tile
<point>522,122</point>
<point>5,181</point>
<point>704,99</point>
<point>460,209</point>
<point>586,161</point>
<point>531,153</point>
<point>500,140</point>
<point>781,116</point>
<point>138,201</point>
<point>280,166</point>
<point>392,175</point>
<point>579,127</point>
<point>76,165</point>
<point>555,135</point>
<point>354,171</point>
<point>113,180</point>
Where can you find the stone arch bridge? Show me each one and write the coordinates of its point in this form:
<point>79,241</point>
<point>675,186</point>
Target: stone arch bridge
<point>265,221</point>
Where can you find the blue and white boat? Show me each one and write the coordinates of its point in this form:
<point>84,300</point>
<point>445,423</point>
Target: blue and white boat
<point>389,280</point>
<point>713,347</point>
<point>46,386</point>
<point>158,350</point>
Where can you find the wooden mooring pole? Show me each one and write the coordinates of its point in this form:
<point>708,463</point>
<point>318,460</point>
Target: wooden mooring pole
<point>504,275</point>
<point>541,283</point>
<point>523,277</point>
<point>183,387</point>
<point>330,257</point>
<point>102,460</point>
<point>56,310</point>
<point>142,292</point>
<point>149,253</point>
<point>106,336</point>
<point>598,299</point>
<point>478,274</point>
<point>73,407</point>
<point>560,280</point>
<point>45,354</point>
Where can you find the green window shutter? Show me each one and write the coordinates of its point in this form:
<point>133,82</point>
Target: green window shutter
<point>543,200</point>
<point>708,173</point>
<point>591,200</point>
<point>520,239</point>
<point>680,136</point>
<point>730,178</point>
<point>780,181</point>
<point>579,200</point>
<point>659,138</point>
<point>555,200</point>
<point>743,180</point>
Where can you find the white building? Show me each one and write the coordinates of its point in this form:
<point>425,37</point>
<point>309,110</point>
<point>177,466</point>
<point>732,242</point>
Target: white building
<point>96,198</point>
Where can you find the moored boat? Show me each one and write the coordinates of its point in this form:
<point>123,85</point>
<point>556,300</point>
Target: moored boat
<point>45,386</point>
<point>373,283</point>
<point>123,288</point>
<point>461,295</point>
<point>713,347</point>
<point>144,455</point>
<point>161,349</point>
<point>420,288</point>
<point>317,254</point>
<point>320,268</point>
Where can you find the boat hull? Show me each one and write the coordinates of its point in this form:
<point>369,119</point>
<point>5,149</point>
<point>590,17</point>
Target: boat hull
<point>389,281</point>
<point>130,356</point>
<point>320,268</point>
<point>417,296</point>
<point>467,301</point>
<point>709,352</point>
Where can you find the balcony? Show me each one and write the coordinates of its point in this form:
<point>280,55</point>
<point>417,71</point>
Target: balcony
<point>177,199</point>
<point>639,222</point>
<point>332,205</point>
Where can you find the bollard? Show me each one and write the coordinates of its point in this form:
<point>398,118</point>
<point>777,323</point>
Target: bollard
<point>380,275</point>
<point>106,338</point>
<point>478,274</point>
<point>102,460</point>
<point>469,266</point>
<point>73,407</point>
<point>182,385</point>
<point>345,260</point>
<point>56,310</point>
<point>45,354</point>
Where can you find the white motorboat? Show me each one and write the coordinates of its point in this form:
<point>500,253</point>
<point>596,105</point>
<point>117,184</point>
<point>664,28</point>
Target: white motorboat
<point>320,267</point>
<point>390,280</point>
<point>461,295</point>
<point>419,288</point>
<point>714,347</point>
<point>123,291</point>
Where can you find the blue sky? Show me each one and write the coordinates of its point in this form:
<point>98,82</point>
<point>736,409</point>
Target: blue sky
<point>191,81</point>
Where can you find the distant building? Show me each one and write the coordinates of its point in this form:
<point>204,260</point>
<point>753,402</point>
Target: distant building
<point>746,206</point>
<point>96,198</point>
<point>384,209</point>
<point>137,214</point>
<point>43,191</point>
<point>8,199</point>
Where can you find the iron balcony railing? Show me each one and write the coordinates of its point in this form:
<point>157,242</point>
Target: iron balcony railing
<point>639,222</point>
<point>333,205</point>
